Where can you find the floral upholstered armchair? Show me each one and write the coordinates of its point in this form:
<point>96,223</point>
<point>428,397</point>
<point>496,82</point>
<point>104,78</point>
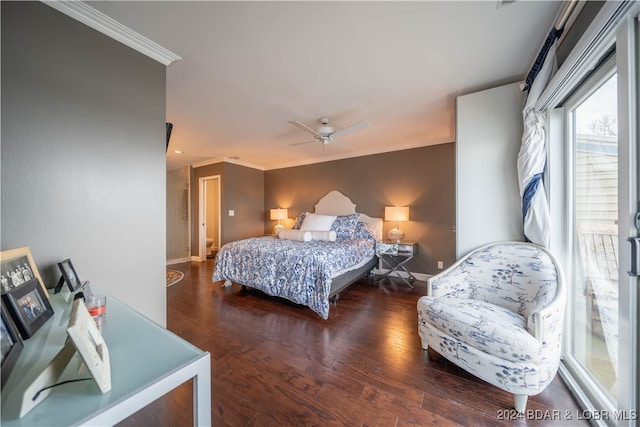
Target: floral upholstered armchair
<point>498,314</point>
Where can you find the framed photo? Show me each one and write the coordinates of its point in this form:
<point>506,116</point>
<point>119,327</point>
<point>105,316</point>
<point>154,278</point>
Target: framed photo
<point>69,275</point>
<point>29,307</point>
<point>87,291</point>
<point>16,268</point>
<point>11,345</point>
<point>87,339</point>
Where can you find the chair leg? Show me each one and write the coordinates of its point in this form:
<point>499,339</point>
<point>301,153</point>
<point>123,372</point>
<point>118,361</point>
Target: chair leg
<point>520,402</point>
<point>424,343</point>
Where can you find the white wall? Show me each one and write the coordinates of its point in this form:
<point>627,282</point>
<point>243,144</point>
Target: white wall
<point>488,136</point>
<point>83,155</point>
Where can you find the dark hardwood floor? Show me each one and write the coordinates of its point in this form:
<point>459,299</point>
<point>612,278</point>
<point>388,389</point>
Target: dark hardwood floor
<point>274,363</point>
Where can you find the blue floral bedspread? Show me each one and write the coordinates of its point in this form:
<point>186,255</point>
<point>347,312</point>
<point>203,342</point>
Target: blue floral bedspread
<point>298,271</point>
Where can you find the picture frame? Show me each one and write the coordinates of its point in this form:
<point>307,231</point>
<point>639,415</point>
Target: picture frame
<point>11,345</point>
<point>29,307</point>
<point>87,292</point>
<point>84,339</point>
<point>69,276</point>
<point>90,344</point>
<point>16,268</point>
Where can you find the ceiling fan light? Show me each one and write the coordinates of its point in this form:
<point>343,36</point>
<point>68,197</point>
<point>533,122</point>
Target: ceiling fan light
<point>325,130</point>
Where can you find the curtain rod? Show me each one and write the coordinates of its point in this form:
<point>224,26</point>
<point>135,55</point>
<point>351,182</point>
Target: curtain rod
<point>555,33</point>
<point>566,13</point>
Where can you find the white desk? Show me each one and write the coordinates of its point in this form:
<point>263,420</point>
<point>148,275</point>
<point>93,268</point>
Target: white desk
<point>147,361</point>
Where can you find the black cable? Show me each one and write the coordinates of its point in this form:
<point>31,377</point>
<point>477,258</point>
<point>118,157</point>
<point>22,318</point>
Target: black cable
<point>55,385</point>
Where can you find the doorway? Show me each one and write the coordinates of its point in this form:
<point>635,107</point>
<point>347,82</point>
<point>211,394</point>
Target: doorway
<point>209,217</point>
<point>178,226</point>
<point>601,344</point>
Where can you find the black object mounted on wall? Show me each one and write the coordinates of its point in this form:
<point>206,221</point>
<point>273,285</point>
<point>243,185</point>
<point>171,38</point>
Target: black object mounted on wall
<point>169,129</point>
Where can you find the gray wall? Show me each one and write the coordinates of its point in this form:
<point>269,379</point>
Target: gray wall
<point>421,178</point>
<point>83,155</point>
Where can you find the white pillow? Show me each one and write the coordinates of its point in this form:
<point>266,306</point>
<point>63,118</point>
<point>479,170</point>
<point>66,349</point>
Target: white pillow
<point>289,234</point>
<point>323,235</point>
<point>317,222</point>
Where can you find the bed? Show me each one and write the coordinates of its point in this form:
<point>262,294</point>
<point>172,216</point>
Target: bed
<point>307,272</point>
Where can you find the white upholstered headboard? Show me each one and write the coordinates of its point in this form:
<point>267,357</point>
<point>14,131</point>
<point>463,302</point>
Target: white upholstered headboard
<point>336,203</point>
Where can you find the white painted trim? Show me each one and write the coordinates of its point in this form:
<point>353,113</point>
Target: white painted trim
<point>359,154</point>
<point>97,20</point>
<point>195,258</point>
<point>591,47</point>
<point>318,159</point>
<point>226,160</point>
<point>202,241</point>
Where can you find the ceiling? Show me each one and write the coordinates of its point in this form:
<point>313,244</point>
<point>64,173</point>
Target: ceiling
<point>248,68</point>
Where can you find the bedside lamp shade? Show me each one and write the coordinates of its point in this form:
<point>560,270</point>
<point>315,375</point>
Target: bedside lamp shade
<point>278,214</point>
<point>397,214</point>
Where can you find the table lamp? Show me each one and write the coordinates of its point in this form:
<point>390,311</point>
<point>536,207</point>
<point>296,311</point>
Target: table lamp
<point>278,214</point>
<point>397,214</point>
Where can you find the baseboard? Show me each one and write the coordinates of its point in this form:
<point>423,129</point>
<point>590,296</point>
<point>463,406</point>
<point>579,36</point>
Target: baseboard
<point>419,276</point>
<point>195,258</point>
<point>178,261</point>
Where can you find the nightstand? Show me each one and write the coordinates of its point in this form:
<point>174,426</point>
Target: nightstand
<point>395,256</point>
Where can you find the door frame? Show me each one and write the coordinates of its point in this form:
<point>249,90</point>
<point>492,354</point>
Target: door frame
<point>603,33</point>
<point>202,215</point>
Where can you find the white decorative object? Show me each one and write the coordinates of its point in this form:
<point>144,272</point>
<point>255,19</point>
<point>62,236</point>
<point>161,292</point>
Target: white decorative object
<point>278,214</point>
<point>329,236</point>
<point>317,222</point>
<point>301,235</point>
<point>336,203</point>
<point>85,338</point>
<point>88,340</point>
<point>397,214</point>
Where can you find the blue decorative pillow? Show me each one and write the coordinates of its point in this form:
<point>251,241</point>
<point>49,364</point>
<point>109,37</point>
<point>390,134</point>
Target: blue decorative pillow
<point>299,221</point>
<point>365,231</point>
<point>345,226</point>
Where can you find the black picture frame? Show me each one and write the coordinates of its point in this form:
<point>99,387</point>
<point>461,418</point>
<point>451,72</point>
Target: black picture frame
<point>69,276</point>
<point>11,345</point>
<point>29,307</point>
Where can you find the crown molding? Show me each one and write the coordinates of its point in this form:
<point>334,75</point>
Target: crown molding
<point>97,20</point>
<point>227,160</point>
<point>316,160</point>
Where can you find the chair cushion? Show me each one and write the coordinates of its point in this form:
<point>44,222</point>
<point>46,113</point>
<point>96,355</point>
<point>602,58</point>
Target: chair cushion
<point>487,327</point>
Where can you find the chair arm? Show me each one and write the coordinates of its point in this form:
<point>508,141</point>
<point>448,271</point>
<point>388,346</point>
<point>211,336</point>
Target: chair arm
<point>547,323</point>
<point>450,282</point>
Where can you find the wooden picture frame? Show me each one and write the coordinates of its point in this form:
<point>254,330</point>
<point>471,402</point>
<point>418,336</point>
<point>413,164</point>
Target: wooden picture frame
<point>17,267</point>
<point>29,307</point>
<point>11,345</point>
<point>69,276</point>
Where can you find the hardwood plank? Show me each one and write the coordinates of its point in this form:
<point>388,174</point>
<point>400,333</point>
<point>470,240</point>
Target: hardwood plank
<point>275,363</point>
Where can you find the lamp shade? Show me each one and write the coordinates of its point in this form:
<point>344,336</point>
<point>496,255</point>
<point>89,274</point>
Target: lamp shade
<point>396,213</point>
<point>279,213</point>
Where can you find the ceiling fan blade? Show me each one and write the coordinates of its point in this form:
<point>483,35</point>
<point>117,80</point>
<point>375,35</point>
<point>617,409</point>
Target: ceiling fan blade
<point>302,143</point>
<point>363,124</point>
<point>305,128</point>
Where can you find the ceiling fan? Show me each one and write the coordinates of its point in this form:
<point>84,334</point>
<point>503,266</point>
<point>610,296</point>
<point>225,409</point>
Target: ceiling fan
<point>325,133</point>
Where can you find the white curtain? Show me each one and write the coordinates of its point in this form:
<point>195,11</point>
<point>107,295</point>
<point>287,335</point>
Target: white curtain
<point>532,157</point>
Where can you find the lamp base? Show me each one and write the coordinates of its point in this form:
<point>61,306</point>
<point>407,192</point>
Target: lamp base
<point>277,229</point>
<point>395,234</point>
